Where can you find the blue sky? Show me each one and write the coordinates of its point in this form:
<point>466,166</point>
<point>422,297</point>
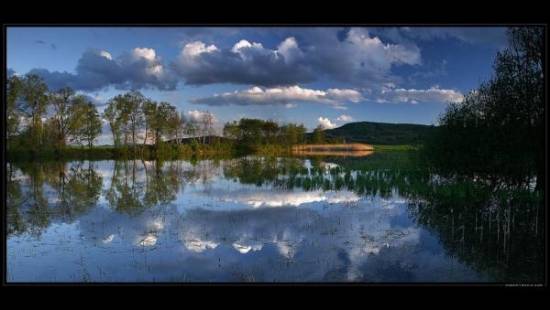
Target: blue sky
<point>313,75</point>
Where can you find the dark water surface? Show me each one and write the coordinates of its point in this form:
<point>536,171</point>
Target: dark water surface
<point>381,218</point>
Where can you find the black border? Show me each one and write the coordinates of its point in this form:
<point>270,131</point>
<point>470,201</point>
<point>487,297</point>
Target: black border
<point>147,23</point>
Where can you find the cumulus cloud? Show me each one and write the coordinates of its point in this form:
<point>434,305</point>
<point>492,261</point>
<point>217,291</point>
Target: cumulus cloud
<point>199,116</point>
<point>282,96</point>
<point>325,123</point>
<point>353,55</point>
<point>359,58</point>
<point>414,96</point>
<point>97,69</point>
<point>244,63</point>
<point>380,56</point>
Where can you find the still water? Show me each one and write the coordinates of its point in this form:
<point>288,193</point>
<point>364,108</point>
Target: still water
<point>380,218</point>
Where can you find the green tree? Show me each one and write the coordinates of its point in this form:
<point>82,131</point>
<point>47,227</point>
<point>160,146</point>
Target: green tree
<point>61,100</point>
<point>232,130</point>
<point>85,124</point>
<point>149,110</point>
<point>270,131</point>
<point>132,114</point>
<point>162,126</point>
<point>318,135</point>
<point>292,134</point>
<point>498,129</point>
<point>13,93</point>
<point>35,97</point>
<point>113,116</point>
<point>173,124</point>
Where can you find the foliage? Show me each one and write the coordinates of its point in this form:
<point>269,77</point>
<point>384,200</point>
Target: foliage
<point>253,134</point>
<point>498,130</point>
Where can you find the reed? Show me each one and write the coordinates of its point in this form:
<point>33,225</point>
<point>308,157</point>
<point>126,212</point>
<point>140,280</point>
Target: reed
<point>350,147</point>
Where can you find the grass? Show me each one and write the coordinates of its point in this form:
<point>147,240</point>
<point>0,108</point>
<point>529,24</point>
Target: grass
<point>332,147</point>
<point>104,152</point>
<point>180,151</point>
<point>391,148</point>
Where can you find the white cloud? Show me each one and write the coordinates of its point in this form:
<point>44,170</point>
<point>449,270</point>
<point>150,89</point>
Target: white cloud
<point>146,53</point>
<point>262,198</point>
<point>414,96</point>
<point>243,44</point>
<point>354,56</point>
<point>373,52</point>
<point>197,116</point>
<point>244,63</point>
<point>106,55</point>
<point>289,49</point>
<point>344,118</point>
<point>344,94</point>
<point>197,245</point>
<point>193,50</point>
<point>325,123</point>
<point>97,69</point>
<point>282,95</point>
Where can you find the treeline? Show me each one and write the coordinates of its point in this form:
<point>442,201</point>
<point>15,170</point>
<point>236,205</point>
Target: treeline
<point>257,134</point>
<point>43,122</point>
<point>254,133</point>
<point>38,118</point>
<point>498,131</point>
<point>135,119</point>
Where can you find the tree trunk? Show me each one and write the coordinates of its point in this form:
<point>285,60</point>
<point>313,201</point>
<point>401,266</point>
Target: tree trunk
<point>145,138</point>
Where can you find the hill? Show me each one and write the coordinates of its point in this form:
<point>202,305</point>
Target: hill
<point>381,133</point>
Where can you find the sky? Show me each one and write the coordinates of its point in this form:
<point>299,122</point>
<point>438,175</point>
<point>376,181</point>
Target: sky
<point>324,76</point>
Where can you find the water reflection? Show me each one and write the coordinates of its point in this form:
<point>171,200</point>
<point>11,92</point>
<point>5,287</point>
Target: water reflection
<point>383,218</point>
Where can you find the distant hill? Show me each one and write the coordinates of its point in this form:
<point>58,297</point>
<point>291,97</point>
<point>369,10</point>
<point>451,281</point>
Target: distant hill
<point>381,133</point>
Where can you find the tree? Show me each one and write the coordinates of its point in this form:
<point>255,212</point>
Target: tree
<point>191,129</point>
<point>13,93</point>
<point>34,93</point>
<point>175,125</point>
<point>149,110</point>
<point>270,131</point>
<point>181,126</point>
<point>292,134</point>
<point>132,114</point>
<point>85,124</point>
<point>498,129</point>
<point>251,131</point>
<point>232,130</point>
<point>112,115</point>
<point>160,125</point>
<point>61,101</point>
<point>318,135</point>
<point>207,125</point>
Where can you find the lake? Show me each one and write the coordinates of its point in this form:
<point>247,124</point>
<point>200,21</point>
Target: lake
<point>382,218</point>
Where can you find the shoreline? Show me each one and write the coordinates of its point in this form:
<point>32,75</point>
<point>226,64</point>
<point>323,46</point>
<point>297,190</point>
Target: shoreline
<point>171,152</point>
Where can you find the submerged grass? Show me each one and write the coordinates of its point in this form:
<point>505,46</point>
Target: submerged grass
<point>399,147</point>
<point>181,151</point>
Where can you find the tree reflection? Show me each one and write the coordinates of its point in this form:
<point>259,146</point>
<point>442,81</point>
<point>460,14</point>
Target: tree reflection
<point>125,192</point>
<point>495,229</point>
<point>14,198</point>
<point>38,193</point>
